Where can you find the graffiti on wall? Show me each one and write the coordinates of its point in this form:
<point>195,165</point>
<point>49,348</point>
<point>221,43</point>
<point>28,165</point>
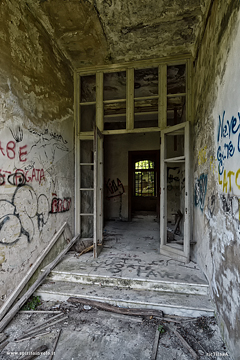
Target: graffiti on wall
<point>228,142</point>
<point>231,205</point>
<point>22,214</point>
<point>59,205</point>
<point>114,189</point>
<point>173,174</point>
<point>200,191</point>
<point>27,210</point>
<point>48,147</point>
<point>211,204</point>
<point>21,177</point>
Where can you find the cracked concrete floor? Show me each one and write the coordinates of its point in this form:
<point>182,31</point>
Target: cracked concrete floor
<point>89,333</point>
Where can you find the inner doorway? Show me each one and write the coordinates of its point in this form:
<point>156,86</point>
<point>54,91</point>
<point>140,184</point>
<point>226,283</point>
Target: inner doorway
<point>143,179</point>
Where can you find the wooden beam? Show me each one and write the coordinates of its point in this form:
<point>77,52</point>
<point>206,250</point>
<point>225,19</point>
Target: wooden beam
<point>4,322</point>
<point>115,309</point>
<point>8,303</point>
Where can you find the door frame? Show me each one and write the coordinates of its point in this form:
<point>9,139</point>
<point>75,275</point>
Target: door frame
<point>141,153</point>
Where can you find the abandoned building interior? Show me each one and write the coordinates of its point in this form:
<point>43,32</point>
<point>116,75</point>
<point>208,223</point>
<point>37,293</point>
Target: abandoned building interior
<point>122,119</point>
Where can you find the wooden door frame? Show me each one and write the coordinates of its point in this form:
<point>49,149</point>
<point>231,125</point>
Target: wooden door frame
<point>141,153</point>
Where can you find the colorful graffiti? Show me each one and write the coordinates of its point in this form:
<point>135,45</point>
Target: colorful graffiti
<point>21,177</point>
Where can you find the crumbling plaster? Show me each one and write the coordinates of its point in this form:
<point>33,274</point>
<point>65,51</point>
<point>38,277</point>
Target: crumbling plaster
<point>36,142</point>
<point>91,32</point>
<point>216,164</point>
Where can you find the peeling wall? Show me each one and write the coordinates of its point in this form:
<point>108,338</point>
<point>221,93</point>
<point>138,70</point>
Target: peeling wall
<point>217,165</point>
<point>36,142</point>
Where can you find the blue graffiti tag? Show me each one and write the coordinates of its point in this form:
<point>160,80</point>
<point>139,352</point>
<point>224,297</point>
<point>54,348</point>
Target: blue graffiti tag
<point>200,191</point>
<point>226,130</point>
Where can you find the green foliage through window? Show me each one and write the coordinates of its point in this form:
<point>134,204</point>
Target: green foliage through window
<point>144,165</point>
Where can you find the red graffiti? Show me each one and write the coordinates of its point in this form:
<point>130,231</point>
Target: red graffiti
<point>60,205</point>
<point>10,151</point>
<point>21,177</point>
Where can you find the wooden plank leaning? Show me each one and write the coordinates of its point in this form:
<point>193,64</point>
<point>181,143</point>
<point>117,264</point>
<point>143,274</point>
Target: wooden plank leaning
<point>4,322</point>
<point>8,303</point>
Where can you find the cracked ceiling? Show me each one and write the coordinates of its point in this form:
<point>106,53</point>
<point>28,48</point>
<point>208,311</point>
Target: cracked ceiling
<point>93,32</point>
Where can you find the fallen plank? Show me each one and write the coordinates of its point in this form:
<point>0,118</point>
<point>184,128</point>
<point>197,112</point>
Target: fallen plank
<point>55,344</point>
<point>45,322</point>
<point>2,337</point>
<point>4,322</point>
<point>33,336</point>
<point>40,312</point>
<point>184,342</point>
<point>118,310</point>
<point>155,344</point>
<point>85,250</point>
<point>8,303</point>
<point>41,328</point>
<point>3,344</point>
<point>35,353</point>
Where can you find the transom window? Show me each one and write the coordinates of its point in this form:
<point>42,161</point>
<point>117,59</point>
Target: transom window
<point>129,98</point>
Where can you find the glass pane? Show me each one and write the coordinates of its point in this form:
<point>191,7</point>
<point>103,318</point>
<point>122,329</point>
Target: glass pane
<point>86,226</point>
<point>144,164</point>
<point>117,108</point>
<point>86,151</point>
<point>146,113</point>
<point>88,88</point>
<point>115,116</point>
<point>86,201</point>
<point>145,120</point>
<point>175,204</point>
<point>146,82</point>
<point>87,117</point>
<point>86,178</point>
<point>146,106</point>
<point>176,110</point>
<point>115,123</point>
<point>175,146</point>
<point>114,86</point>
<point>176,79</point>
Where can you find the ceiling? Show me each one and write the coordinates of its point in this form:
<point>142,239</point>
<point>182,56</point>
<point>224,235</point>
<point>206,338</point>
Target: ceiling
<point>93,32</point>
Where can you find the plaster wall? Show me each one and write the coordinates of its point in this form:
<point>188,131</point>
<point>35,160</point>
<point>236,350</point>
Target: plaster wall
<point>217,165</point>
<point>36,142</point>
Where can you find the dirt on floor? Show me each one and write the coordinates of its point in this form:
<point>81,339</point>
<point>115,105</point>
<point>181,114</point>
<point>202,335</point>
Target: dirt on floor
<point>84,332</point>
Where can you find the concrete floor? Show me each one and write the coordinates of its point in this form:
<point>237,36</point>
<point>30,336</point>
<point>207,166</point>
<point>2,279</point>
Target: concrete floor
<point>131,251</point>
<point>94,334</point>
<point>130,272</point>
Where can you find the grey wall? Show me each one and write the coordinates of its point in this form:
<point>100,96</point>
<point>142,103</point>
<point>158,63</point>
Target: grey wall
<point>217,164</point>
<point>36,142</point>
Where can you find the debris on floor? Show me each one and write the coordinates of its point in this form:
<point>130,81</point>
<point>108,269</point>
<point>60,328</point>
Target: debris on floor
<point>64,330</point>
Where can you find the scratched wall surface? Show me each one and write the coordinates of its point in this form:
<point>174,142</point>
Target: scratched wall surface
<point>217,165</point>
<point>36,142</point>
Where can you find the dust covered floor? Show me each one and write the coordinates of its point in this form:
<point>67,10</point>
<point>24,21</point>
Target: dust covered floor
<point>88,333</point>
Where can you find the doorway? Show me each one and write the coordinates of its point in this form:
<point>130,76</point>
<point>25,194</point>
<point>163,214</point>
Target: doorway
<point>143,180</point>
